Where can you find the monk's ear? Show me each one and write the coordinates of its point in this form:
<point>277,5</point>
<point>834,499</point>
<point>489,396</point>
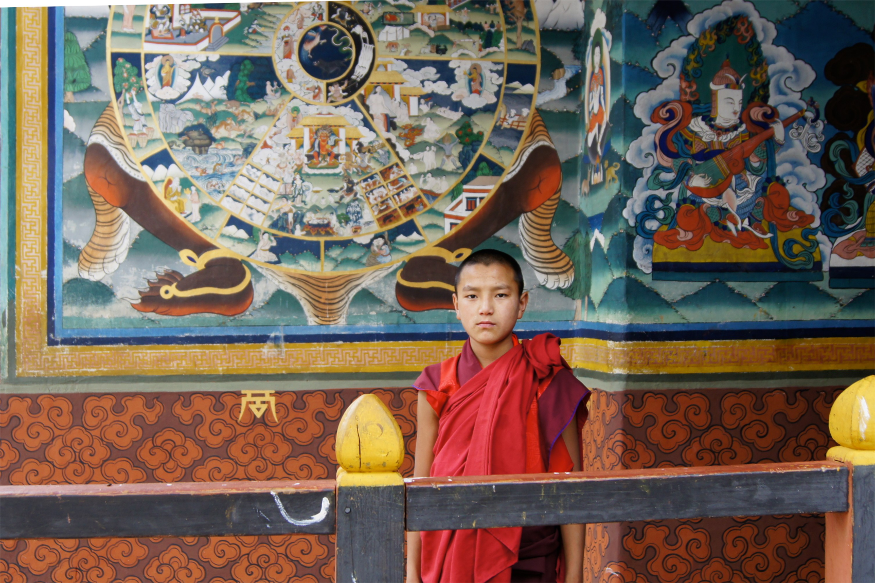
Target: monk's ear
<point>456,305</point>
<point>524,302</point>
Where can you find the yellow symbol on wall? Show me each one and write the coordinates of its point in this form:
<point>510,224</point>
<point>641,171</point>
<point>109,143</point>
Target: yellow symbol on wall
<point>258,402</point>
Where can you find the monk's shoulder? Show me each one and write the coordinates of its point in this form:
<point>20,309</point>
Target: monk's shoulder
<point>566,380</point>
<point>429,379</point>
<point>563,395</point>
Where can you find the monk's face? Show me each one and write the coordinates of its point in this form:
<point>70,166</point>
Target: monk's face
<point>488,303</point>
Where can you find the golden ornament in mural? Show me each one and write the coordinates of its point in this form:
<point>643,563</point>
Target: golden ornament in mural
<point>258,402</point>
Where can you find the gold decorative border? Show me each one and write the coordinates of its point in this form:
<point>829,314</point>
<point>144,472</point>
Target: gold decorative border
<point>722,356</point>
<point>35,358</point>
<point>31,130</point>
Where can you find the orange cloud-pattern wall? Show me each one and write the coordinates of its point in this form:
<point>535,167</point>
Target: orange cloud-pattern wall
<point>650,429</point>
<point>164,437</point>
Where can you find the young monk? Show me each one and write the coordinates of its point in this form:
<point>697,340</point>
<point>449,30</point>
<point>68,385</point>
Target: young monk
<point>502,406</point>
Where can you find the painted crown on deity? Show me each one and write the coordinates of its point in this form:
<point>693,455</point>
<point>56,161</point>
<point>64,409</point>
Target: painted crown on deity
<point>727,78</point>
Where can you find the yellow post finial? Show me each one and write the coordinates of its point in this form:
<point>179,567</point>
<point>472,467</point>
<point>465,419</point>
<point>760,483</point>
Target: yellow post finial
<point>852,424</point>
<point>370,446</point>
<point>370,493</point>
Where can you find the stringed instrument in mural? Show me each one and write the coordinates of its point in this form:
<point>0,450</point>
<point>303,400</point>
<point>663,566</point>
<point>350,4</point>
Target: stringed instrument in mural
<point>730,163</point>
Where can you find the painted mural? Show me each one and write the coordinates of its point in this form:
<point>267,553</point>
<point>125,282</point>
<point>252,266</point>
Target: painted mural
<point>734,189</point>
<point>328,164</point>
<point>596,108</point>
<point>260,189</point>
<point>309,164</point>
<point>286,173</point>
<point>718,148</point>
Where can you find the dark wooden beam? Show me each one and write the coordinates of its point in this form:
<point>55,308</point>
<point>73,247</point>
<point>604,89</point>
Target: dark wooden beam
<point>864,524</point>
<point>190,509</point>
<point>530,500</point>
<point>370,533</point>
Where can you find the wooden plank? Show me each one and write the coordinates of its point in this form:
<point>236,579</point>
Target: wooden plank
<point>864,524</point>
<point>370,533</point>
<point>850,536</point>
<point>587,497</point>
<point>190,509</point>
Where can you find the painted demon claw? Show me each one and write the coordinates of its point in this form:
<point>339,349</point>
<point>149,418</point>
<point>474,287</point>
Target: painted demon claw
<point>223,286</point>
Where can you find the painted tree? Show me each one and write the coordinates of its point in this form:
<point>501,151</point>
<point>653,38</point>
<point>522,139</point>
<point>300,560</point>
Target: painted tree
<point>577,248</point>
<point>248,79</point>
<point>470,141</point>
<point>77,75</point>
<point>125,80</point>
<point>483,169</point>
<point>489,33</point>
<point>441,39</point>
<point>241,87</point>
<point>516,13</point>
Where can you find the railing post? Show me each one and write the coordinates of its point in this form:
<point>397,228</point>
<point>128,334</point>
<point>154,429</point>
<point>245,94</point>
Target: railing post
<point>850,536</point>
<point>370,495</point>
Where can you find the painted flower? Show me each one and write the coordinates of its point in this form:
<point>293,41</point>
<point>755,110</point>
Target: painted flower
<point>263,563</point>
<point>168,453</point>
<point>78,454</point>
<point>10,573</point>
<point>84,565</point>
<point>174,566</point>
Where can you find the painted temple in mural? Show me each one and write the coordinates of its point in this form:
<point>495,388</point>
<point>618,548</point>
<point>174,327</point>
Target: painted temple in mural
<point>234,187</point>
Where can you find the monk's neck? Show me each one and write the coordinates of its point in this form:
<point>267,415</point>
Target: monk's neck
<point>488,353</point>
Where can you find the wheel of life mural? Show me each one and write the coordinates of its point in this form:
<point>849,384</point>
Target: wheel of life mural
<point>320,143</point>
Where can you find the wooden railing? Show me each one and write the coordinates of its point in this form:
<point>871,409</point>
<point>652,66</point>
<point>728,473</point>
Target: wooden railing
<point>369,506</point>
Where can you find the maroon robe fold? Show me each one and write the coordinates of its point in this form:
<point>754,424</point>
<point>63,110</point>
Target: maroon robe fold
<point>504,419</point>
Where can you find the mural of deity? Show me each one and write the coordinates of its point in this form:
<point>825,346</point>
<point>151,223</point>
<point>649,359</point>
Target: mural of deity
<point>168,66</point>
<point>475,79</point>
<point>717,148</point>
<point>849,202</point>
<point>322,151</point>
<point>160,23</point>
<point>597,97</point>
<point>709,144</point>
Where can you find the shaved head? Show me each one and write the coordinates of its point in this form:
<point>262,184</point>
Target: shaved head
<point>492,257</point>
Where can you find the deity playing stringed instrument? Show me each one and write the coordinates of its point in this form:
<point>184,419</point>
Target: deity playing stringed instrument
<point>726,161</point>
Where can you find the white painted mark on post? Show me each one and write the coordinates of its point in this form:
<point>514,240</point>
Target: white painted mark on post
<point>307,521</point>
<point>864,417</point>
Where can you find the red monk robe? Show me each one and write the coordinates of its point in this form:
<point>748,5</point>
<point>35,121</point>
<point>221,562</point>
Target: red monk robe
<point>505,419</point>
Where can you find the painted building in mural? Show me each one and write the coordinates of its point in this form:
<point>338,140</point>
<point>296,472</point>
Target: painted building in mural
<point>207,199</point>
